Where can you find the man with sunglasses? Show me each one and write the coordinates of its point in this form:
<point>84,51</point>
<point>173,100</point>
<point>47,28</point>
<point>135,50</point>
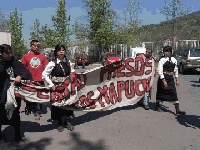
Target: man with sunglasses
<point>35,62</point>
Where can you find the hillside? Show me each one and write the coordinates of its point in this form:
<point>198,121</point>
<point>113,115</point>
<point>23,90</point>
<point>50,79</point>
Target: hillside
<point>187,28</point>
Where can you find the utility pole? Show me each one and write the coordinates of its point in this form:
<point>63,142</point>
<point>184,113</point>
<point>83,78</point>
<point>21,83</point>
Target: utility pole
<point>174,24</point>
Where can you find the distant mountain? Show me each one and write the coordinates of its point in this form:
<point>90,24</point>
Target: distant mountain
<point>187,28</point>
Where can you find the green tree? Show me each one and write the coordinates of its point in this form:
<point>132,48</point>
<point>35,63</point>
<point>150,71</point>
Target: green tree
<point>4,27</point>
<point>49,36</point>
<point>101,23</point>
<point>60,23</point>
<point>173,9</point>
<point>130,32</point>
<point>37,32</point>
<point>15,28</point>
<point>81,29</point>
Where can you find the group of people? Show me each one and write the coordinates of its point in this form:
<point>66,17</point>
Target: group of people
<point>35,66</point>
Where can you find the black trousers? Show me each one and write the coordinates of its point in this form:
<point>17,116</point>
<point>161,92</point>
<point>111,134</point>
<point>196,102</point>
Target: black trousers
<point>14,121</point>
<point>58,114</point>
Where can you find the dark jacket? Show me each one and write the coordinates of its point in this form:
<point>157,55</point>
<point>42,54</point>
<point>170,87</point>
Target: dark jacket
<point>18,70</point>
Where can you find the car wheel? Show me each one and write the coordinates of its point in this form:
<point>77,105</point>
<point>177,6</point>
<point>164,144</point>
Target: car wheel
<point>181,69</point>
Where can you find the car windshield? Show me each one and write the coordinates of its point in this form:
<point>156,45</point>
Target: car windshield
<point>113,55</point>
<point>195,53</point>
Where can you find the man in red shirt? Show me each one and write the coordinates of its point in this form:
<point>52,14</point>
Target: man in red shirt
<point>35,62</point>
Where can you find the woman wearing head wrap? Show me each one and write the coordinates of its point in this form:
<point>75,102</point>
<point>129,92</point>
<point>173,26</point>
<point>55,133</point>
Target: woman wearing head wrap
<point>166,88</point>
<point>59,67</point>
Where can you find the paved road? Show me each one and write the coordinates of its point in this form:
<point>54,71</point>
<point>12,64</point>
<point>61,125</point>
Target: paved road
<point>86,67</point>
<point>127,128</point>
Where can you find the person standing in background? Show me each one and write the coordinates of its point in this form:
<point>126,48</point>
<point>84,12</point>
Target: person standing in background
<point>76,57</point>
<point>103,57</point>
<point>83,57</point>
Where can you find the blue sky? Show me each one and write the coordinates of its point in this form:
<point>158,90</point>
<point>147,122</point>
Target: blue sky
<point>44,9</point>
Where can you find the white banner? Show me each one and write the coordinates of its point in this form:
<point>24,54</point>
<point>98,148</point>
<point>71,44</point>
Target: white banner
<point>103,88</point>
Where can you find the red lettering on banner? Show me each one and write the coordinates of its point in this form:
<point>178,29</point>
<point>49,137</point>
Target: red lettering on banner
<point>111,69</point>
<point>87,101</point>
<point>137,90</point>
<point>146,84</point>
<point>90,102</point>
<point>103,92</point>
<point>120,88</point>
<point>74,83</point>
<point>120,69</point>
<point>42,96</point>
<point>66,85</point>
<point>131,68</point>
<point>148,64</point>
<point>28,88</point>
<point>130,91</point>
<point>57,95</point>
<point>116,68</point>
<point>139,71</point>
<point>82,84</point>
<point>112,93</point>
<point>82,100</point>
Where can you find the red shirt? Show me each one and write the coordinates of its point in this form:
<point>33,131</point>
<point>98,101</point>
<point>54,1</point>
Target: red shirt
<point>35,64</point>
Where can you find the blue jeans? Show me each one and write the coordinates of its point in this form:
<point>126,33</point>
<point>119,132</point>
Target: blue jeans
<point>34,107</point>
<point>145,100</point>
